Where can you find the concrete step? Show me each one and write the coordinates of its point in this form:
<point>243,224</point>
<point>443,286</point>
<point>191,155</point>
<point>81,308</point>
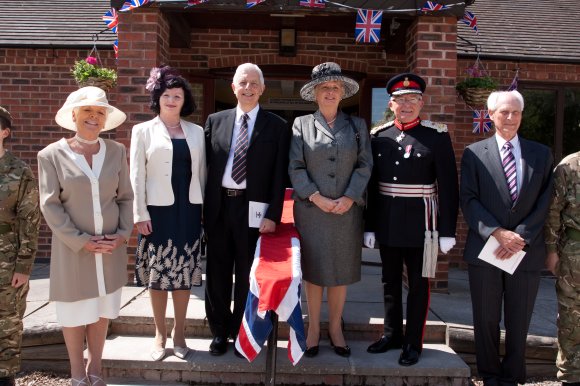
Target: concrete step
<point>126,358</point>
<point>363,321</point>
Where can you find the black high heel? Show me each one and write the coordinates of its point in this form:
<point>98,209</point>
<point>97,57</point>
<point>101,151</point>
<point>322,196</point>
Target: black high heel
<point>339,350</point>
<point>311,352</point>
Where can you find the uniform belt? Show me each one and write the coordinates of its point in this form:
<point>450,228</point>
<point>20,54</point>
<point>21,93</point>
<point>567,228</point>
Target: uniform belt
<point>5,228</point>
<point>573,234</point>
<point>407,190</point>
<point>233,192</point>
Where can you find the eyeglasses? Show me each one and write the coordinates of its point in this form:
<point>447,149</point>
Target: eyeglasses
<point>409,100</point>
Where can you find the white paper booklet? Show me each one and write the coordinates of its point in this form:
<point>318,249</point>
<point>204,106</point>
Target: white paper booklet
<point>256,213</point>
<point>508,265</point>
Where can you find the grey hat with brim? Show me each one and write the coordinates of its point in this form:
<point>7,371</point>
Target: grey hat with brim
<point>328,72</point>
<point>88,96</point>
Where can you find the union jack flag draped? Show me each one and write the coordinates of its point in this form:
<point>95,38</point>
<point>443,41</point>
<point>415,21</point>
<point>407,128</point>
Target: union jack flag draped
<point>432,6</point>
<point>251,3</point>
<point>196,2</point>
<point>470,20</point>
<point>111,19</point>
<point>368,26</point>
<point>132,4</point>
<point>313,3</point>
<point>481,121</point>
<point>116,48</point>
<point>275,280</point>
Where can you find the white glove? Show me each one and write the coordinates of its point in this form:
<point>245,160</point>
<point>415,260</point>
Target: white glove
<point>369,239</point>
<point>446,243</point>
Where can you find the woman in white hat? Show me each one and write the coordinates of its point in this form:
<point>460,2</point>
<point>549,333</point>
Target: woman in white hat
<point>86,200</point>
<point>330,166</point>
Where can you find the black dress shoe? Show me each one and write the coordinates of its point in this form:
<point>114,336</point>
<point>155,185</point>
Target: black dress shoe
<point>7,381</point>
<point>218,346</point>
<point>383,345</point>
<point>409,355</point>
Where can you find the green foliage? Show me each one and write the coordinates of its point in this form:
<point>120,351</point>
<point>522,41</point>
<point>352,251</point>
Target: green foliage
<point>484,82</point>
<point>82,71</point>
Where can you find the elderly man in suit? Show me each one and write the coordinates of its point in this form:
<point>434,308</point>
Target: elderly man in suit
<point>247,157</point>
<point>506,185</point>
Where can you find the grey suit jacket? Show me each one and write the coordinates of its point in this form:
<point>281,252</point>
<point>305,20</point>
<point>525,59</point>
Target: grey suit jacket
<point>330,162</point>
<point>486,203</point>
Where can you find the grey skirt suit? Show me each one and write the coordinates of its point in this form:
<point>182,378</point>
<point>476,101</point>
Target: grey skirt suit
<point>333,162</point>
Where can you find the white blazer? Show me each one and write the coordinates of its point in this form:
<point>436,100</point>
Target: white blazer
<point>151,162</point>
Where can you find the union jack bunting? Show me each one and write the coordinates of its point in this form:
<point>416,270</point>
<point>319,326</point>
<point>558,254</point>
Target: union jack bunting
<point>432,6</point>
<point>313,3</point>
<point>196,2</point>
<point>481,121</point>
<point>470,20</point>
<point>251,3</point>
<point>132,4</point>
<point>111,19</point>
<point>116,48</point>
<point>368,26</point>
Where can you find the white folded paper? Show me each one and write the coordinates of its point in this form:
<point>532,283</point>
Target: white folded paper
<point>256,213</point>
<point>508,265</point>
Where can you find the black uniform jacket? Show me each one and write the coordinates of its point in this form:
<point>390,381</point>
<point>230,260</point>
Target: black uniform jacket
<point>400,221</point>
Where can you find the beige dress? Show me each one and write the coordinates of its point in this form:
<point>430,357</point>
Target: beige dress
<point>77,202</point>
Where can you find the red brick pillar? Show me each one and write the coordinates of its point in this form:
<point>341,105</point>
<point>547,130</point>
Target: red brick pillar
<point>143,44</point>
<point>432,53</point>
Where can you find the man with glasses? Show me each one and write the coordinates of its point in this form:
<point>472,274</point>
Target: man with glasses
<point>412,210</point>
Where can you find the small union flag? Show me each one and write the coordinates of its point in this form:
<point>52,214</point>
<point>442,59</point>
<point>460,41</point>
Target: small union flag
<point>116,48</point>
<point>251,3</point>
<point>195,2</point>
<point>433,6</point>
<point>481,121</point>
<point>313,3</point>
<point>111,19</point>
<point>132,4</point>
<point>470,20</point>
<point>368,26</point>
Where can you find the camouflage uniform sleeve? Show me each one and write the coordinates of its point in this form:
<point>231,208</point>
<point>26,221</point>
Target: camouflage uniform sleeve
<point>28,220</point>
<point>553,226</point>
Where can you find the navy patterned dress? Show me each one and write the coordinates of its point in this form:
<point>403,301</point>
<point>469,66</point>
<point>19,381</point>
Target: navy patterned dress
<point>169,258</point>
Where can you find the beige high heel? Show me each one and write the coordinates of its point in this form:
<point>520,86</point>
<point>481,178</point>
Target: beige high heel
<point>80,382</point>
<point>96,380</point>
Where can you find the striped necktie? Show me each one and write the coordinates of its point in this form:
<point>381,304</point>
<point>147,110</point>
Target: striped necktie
<point>239,164</point>
<point>509,167</point>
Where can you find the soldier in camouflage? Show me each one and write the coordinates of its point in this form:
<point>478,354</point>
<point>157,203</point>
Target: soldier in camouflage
<point>19,222</point>
<point>563,244</point>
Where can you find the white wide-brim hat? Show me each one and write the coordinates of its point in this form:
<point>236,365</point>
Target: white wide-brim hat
<point>328,72</point>
<point>88,96</point>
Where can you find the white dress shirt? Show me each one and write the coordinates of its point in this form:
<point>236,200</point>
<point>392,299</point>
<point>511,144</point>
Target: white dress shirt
<point>227,180</point>
<point>517,152</point>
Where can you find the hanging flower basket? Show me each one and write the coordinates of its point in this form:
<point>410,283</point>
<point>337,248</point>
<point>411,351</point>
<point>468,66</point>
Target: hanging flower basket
<point>475,89</point>
<point>86,73</point>
<point>103,83</point>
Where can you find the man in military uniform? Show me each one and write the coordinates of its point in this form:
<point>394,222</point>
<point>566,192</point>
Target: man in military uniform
<point>563,244</point>
<point>19,222</point>
<point>412,210</point>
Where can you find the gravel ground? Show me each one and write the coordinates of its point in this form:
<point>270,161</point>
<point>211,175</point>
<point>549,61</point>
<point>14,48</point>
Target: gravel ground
<point>39,378</point>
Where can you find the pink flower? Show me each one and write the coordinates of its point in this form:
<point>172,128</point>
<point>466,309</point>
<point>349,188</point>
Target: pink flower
<point>91,60</point>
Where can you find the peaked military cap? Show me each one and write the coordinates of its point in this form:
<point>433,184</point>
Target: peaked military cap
<point>406,83</point>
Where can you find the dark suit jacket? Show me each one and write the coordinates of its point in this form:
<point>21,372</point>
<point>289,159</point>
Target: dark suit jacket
<point>266,164</point>
<point>487,205</point>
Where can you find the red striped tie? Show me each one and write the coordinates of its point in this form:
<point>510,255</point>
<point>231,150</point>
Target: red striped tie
<point>239,164</point>
<point>509,167</point>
